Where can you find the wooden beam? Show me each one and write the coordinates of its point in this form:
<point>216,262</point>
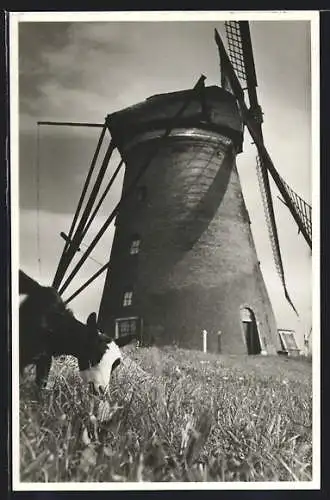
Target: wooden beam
<point>71,124</point>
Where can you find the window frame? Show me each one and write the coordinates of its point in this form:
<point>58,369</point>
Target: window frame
<point>129,319</point>
<point>135,245</point>
<point>127,298</point>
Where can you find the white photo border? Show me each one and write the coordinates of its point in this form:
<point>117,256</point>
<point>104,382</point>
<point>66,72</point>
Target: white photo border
<point>165,16</point>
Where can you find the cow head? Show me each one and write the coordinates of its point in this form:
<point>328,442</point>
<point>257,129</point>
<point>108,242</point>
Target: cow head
<point>100,357</point>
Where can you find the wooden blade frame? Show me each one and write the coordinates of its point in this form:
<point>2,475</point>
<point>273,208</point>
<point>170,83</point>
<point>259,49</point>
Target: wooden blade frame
<point>253,119</point>
<point>253,127</point>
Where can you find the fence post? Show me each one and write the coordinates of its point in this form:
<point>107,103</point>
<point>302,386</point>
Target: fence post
<point>219,341</point>
<point>204,335</point>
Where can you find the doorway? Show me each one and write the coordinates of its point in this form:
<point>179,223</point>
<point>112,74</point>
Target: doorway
<point>250,330</point>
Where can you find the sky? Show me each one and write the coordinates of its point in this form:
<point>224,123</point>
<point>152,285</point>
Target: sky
<point>83,71</point>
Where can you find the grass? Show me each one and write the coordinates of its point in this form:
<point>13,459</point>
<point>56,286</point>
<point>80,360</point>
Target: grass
<point>172,415</point>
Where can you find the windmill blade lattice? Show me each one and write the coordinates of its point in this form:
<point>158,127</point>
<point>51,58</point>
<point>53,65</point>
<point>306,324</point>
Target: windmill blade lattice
<point>267,202</point>
<point>271,226</point>
<point>303,209</point>
<point>235,49</point>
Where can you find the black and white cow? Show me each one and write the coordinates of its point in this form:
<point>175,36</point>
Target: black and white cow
<point>48,328</point>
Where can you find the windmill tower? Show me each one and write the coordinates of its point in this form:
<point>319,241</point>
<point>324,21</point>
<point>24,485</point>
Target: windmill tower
<point>183,257</point>
<point>183,260</point>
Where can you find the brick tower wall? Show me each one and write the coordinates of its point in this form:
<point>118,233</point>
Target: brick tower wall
<point>197,265</point>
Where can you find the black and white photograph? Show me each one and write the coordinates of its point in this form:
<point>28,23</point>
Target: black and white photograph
<point>164,182</point>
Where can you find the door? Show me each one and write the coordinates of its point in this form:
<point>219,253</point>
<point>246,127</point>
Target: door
<point>250,330</point>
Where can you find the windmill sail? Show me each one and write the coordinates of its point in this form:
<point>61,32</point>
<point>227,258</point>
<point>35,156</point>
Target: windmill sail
<point>271,225</point>
<point>303,209</point>
<point>241,60</point>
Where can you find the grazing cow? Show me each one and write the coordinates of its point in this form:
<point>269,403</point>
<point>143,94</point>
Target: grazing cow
<point>48,328</point>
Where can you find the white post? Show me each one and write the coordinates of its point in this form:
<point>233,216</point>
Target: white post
<point>204,334</point>
<point>219,341</point>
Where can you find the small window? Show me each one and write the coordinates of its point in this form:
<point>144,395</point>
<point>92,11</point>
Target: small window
<point>135,246</point>
<point>127,327</point>
<point>141,193</point>
<point>124,327</point>
<point>128,296</point>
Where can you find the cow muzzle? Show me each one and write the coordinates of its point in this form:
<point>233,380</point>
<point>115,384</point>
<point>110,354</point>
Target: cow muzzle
<point>98,377</point>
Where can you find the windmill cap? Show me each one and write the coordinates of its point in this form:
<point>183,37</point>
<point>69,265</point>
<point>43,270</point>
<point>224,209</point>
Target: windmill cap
<point>215,110</point>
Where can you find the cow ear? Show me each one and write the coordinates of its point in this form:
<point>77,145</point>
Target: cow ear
<point>91,320</point>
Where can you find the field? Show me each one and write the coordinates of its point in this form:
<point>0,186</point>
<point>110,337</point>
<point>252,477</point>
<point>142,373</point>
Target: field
<point>172,415</point>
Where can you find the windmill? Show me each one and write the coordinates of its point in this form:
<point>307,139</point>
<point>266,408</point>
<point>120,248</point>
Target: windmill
<point>183,258</point>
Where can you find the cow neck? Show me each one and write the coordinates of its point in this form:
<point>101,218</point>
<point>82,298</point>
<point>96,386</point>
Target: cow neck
<point>69,338</point>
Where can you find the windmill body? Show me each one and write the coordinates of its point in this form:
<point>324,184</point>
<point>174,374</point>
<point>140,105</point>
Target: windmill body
<point>183,267</point>
<point>183,258</point>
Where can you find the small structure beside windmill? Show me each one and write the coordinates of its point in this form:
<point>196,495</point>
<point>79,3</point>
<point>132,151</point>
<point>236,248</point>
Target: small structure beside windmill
<point>289,345</point>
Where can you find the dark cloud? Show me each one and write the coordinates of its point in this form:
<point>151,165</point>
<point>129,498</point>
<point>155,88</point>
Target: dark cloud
<point>62,55</point>
<point>34,39</point>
